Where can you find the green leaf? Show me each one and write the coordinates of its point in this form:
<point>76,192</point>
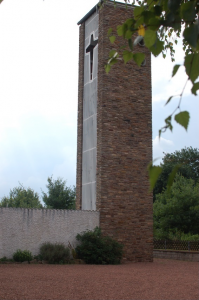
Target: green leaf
<point>195,87</point>
<point>188,12</point>
<point>107,68</point>
<point>138,11</point>
<point>157,10</point>
<point>129,23</point>
<point>197,47</point>
<point>139,58</point>
<point>127,55</point>
<point>191,64</point>
<point>147,15</point>
<point>130,44</point>
<point>168,123</point>
<point>150,38</point>
<point>113,61</point>
<point>153,24</point>
<point>172,175</point>
<point>112,39</point>
<point>150,3</point>
<point>157,48</point>
<point>191,35</point>
<point>183,119</point>
<point>120,30</point>
<point>123,47</point>
<point>175,70</point>
<point>139,22</point>
<point>170,18</point>
<point>112,53</point>
<point>173,5</point>
<point>128,34</point>
<point>169,100</point>
<point>109,31</point>
<point>154,172</point>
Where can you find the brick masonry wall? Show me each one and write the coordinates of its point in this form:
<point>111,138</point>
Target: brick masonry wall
<point>27,229</point>
<point>124,144</point>
<point>179,255</point>
<point>80,117</point>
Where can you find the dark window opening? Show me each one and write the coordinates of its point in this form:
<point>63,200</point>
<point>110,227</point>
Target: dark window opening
<point>90,49</point>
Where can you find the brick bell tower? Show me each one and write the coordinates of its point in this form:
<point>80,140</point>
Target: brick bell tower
<point>114,144</point>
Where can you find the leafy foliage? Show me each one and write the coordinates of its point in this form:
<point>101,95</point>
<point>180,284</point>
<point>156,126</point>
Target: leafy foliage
<point>54,253</point>
<point>21,256</point>
<point>160,24</point>
<point>184,162</point>
<point>21,197</point>
<point>181,236</point>
<point>98,249</point>
<point>4,259</point>
<point>59,196</point>
<point>177,209</point>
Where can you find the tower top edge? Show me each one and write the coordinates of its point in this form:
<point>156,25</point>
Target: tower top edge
<point>96,7</point>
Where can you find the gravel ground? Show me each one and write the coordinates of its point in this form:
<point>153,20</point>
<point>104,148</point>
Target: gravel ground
<point>163,279</point>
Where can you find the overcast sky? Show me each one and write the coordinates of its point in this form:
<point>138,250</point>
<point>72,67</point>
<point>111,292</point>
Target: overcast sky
<point>38,94</point>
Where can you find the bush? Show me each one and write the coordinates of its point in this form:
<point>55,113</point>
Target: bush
<point>3,259</point>
<point>98,249</point>
<point>55,253</point>
<point>21,256</point>
<point>189,237</point>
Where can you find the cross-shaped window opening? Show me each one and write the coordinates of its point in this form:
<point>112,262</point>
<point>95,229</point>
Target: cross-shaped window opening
<point>90,49</point>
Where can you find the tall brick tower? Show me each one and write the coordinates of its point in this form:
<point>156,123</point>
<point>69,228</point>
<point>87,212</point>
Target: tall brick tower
<point>114,142</point>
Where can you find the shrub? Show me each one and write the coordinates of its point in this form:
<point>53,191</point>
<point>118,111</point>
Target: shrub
<point>98,249</point>
<point>21,256</point>
<point>38,257</point>
<point>3,259</point>
<point>54,253</point>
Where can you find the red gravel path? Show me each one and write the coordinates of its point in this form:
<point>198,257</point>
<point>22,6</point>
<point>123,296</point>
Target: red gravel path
<point>161,280</point>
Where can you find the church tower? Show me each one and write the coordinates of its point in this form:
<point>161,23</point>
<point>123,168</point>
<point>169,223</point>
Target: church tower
<point>114,144</point>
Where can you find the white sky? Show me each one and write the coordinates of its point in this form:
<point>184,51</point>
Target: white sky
<point>38,94</point>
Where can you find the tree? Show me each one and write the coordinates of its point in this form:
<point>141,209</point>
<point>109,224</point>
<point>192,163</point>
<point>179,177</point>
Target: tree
<point>21,197</point>
<point>59,196</point>
<point>177,209</point>
<point>160,24</point>
<point>185,162</point>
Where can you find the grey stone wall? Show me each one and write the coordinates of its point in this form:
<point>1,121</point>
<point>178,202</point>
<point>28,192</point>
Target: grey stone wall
<point>179,255</point>
<point>27,229</point>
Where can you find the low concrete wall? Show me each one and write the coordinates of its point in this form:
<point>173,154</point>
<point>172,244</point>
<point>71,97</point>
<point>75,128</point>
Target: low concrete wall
<point>27,229</point>
<point>179,255</point>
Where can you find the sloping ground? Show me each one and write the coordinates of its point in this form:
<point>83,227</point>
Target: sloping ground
<point>161,280</point>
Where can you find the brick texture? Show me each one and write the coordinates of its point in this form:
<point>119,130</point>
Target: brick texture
<point>124,144</point>
<point>80,117</point>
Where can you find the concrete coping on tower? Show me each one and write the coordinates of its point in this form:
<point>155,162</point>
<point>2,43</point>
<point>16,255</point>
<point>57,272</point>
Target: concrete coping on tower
<point>97,6</point>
